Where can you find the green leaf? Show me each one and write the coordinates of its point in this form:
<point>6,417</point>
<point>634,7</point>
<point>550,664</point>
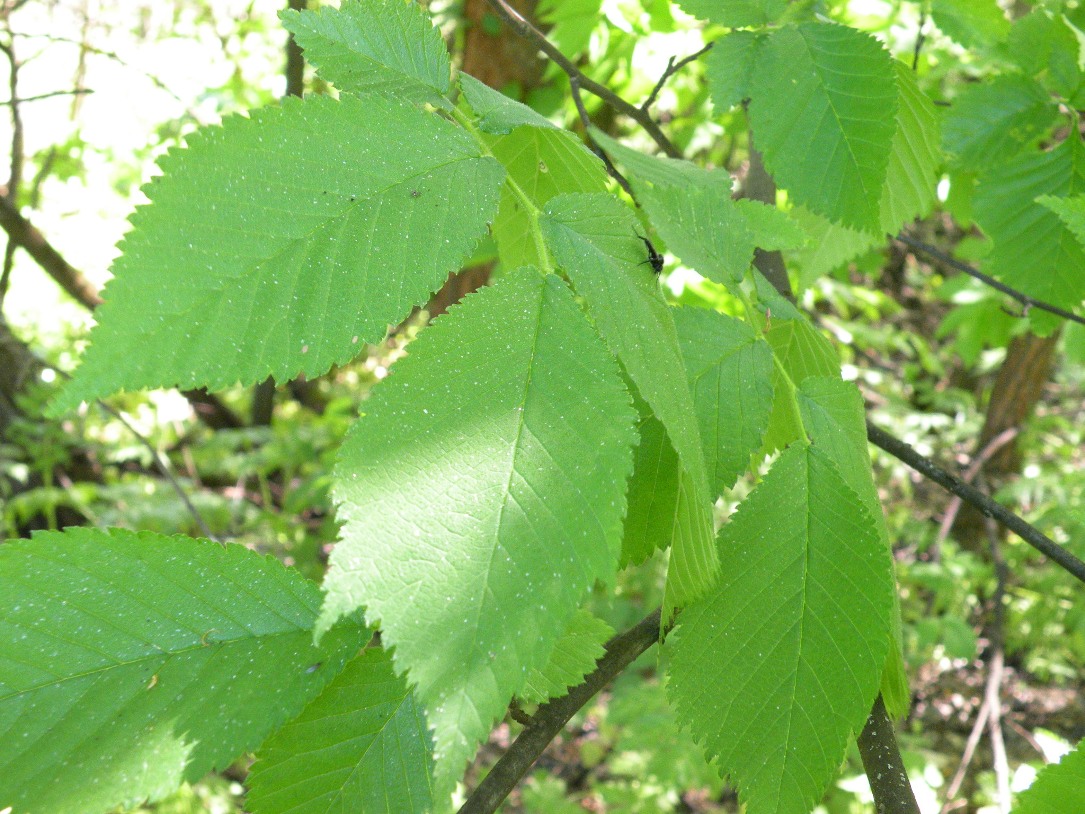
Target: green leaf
<point>991,123</point>
<point>361,745</point>
<point>497,113</point>
<point>482,494</point>
<point>735,13</point>
<point>133,662</point>
<point>730,372</point>
<point>574,656</point>
<point>770,227</point>
<point>571,23</point>
<point>389,47</point>
<point>659,170</point>
<point>972,23</point>
<point>729,67</point>
<point>914,158</point>
<point>704,227</point>
<point>823,110</point>
<point>800,353</point>
<point>651,517</point>
<point>1045,46</point>
<point>1033,251</point>
<point>1059,788</point>
<point>778,666</point>
<point>834,417</point>
<point>828,246</point>
<point>593,237</point>
<point>1071,211</point>
<point>545,163</point>
<point>259,258</point>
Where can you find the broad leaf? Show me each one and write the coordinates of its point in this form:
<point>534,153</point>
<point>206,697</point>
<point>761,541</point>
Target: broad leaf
<point>593,237</point>
<point>735,13</point>
<point>362,745</point>
<point>770,227</point>
<point>729,68</point>
<point>972,23</point>
<point>544,162</point>
<point>1033,250</point>
<point>133,662</point>
<point>482,494</point>
<point>1058,788</point>
<point>388,47</point>
<point>1071,211</point>
<point>497,113</point>
<point>730,372</point>
<point>914,159</point>
<point>777,667</point>
<point>257,257</point>
<point>991,123</point>
<point>650,518</point>
<point>573,658</point>
<point>823,109</point>
<point>800,352</point>
<point>1045,46</point>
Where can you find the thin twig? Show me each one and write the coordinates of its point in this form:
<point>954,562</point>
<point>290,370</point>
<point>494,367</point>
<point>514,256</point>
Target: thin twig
<point>551,718</point>
<point>1021,297</point>
<point>672,68</point>
<point>920,38</point>
<point>525,29</point>
<point>993,690</point>
<point>969,752</point>
<point>988,507</point>
<point>50,95</point>
<point>969,475</point>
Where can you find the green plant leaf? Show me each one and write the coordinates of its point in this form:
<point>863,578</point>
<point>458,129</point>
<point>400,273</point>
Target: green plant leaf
<point>361,745</point>
<point>1071,211</point>
<point>388,47</point>
<point>593,237</point>
<point>259,258</point>
<point>729,67</point>
<point>828,246</point>
<point>651,515</point>
<point>1059,787</point>
<point>730,373</point>
<point>735,13</point>
<point>972,23</point>
<point>1033,251</point>
<point>482,494</point>
<point>770,227</point>
<point>834,417</point>
<point>133,662</point>
<point>573,658</point>
<point>823,109</point>
<point>914,158</point>
<point>545,163</point>
<point>497,113</point>
<point>659,170</point>
<point>800,353</point>
<point>991,123</point>
<point>777,667</point>
<point>1045,46</point>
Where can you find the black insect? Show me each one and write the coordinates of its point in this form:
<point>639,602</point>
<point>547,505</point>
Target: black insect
<point>655,259</point>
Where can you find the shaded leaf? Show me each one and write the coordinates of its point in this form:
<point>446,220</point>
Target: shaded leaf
<point>800,352</point>
<point>482,494</point>
<point>574,656</point>
<point>497,113</point>
<point>729,67</point>
<point>138,661</point>
<point>735,13</point>
<point>972,23</point>
<point>361,745</point>
<point>1059,787</point>
<point>914,158</point>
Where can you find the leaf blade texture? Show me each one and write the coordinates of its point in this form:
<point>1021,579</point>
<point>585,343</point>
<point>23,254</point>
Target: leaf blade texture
<point>1059,787</point>
<point>290,258</point>
<point>776,668</point>
<point>914,157</point>
<point>823,110</point>
<point>482,495</point>
<point>574,656</point>
<point>375,46</point>
<point>141,661</point>
<point>361,745</point>
<point>593,237</point>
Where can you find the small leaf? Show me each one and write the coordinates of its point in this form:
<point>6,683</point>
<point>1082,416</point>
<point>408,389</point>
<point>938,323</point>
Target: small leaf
<point>914,159</point>
<point>828,246</point>
<point>133,662</point>
<point>574,656</point>
<point>497,113</point>
<point>361,745</point>
<point>735,13</point>
<point>972,23</point>
<point>730,372</point>
<point>776,668</point>
<point>1060,787</point>
<point>823,109</point>
<point>1033,250</point>
<point>388,47</point>
<point>1045,46</point>
<point>593,238</point>
<point>1071,211</point>
<point>729,67</point>
<point>800,352</point>
<point>482,494</point>
<point>993,122</point>
<point>650,519</point>
<point>258,258</point>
